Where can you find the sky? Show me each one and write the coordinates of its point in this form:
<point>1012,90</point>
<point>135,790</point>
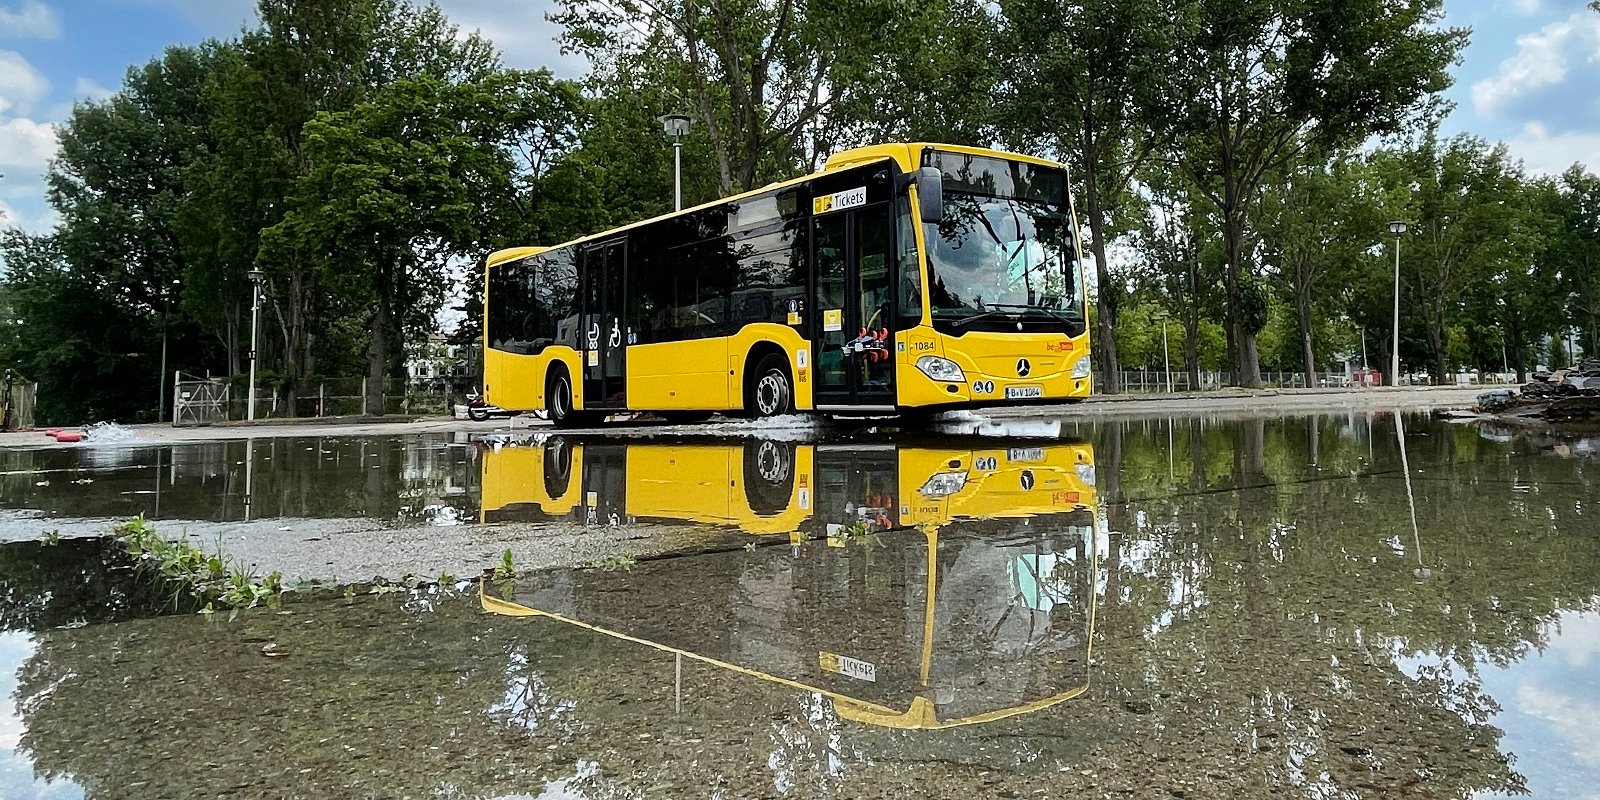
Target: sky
<point>1528,77</point>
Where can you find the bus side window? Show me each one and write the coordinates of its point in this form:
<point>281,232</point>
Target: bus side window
<point>910,271</point>
<point>558,292</point>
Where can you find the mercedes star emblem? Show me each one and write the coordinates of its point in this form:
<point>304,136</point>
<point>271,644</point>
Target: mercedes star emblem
<point>1027,480</point>
<point>1023,368</point>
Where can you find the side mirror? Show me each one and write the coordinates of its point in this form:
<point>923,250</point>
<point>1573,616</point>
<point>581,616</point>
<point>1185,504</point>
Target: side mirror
<point>930,194</point>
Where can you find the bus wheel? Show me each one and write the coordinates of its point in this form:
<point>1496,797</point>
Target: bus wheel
<point>768,476</point>
<point>771,391</point>
<point>557,467</point>
<point>558,401</point>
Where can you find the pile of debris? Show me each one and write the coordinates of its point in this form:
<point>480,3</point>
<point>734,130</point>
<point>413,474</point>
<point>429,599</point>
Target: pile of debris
<point>1584,379</point>
<point>1565,395</point>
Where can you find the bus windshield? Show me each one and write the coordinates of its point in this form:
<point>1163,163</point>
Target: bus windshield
<point>1004,253</point>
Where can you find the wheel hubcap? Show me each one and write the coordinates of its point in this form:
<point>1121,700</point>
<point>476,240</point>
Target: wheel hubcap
<point>772,394</point>
<point>771,464</point>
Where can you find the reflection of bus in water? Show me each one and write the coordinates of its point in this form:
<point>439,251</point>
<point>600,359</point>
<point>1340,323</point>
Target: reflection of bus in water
<point>918,587</point>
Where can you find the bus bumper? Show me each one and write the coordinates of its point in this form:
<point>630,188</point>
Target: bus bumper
<point>1000,373</point>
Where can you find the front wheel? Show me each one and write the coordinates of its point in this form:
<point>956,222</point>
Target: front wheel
<point>771,391</point>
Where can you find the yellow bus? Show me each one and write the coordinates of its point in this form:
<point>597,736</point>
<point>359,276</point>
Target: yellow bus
<point>924,586</point>
<point>902,277</point>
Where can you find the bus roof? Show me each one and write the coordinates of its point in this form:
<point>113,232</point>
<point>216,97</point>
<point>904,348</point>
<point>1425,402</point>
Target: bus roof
<point>907,154</point>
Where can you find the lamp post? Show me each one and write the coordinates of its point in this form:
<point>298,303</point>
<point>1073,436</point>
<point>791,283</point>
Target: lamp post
<point>256,277</point>
<point>1166,358</point>
<point>676,126</point>
<point>1397,227</point>
<point>161,377</point>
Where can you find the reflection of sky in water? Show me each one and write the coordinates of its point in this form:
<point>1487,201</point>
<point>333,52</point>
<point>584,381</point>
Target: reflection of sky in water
<point>16,770</point>
<point>1550,703</point>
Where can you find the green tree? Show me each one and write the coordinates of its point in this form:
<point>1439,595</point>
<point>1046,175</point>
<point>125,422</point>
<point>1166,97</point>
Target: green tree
<point>1267,81</point>
<point>1086,81</point>
<point>99,301</point>
<point>1317,220</point>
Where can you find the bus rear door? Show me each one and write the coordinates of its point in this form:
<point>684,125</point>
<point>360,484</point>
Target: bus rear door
<point>604,340</point>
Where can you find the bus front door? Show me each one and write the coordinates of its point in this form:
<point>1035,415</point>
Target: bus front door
<point>854,331</point>
<point>604,345</point>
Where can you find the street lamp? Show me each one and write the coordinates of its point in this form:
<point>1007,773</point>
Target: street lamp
<point>676,126</point>
<point>256,277</point>
<point>166,319</point>
<point>1397,227</point>
<point>1166,359</point>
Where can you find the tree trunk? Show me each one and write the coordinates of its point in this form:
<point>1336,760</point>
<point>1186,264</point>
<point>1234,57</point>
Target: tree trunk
<point>1105,302</point>
<point>378,358</point>
<point>1522,364</point>
<point>1242,344</point>
<point>1191,352</point>
<point>1437,345</point>
<point>1303,309</point>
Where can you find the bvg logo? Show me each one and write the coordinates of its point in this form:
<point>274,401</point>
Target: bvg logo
<point>1023,368</point>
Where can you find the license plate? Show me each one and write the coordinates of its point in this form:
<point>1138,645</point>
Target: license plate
<point>1019,455</point>
<point>1024,392</point>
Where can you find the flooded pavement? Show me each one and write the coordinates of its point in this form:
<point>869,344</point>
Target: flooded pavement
<point>1153,608</point>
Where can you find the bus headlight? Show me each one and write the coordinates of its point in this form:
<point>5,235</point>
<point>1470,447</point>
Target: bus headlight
<point>941,369</point>
<point>1080,369</point>
<point>943,485</point>
<point>1085,473</point>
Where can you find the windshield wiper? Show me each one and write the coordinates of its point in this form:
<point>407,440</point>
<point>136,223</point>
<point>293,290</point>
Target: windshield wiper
<point>975,317</point>
<point>995,312</point>
<point>1034,307</point>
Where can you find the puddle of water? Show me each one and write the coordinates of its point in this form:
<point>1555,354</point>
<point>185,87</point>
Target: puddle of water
<point>1170,608</point>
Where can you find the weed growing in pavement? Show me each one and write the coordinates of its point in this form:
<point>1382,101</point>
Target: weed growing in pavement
<point>209,577</point>
<point>506,571</point>
<point>50,538</point>
<point>616,562</point>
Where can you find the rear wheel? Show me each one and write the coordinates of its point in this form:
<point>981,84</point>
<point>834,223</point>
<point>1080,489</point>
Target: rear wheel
<point>771,390</point>
<point>558,402</point>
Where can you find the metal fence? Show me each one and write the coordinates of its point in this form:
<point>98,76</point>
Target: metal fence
<point>198,401</point>
<point>16,406</point>
<point>1154,381</point>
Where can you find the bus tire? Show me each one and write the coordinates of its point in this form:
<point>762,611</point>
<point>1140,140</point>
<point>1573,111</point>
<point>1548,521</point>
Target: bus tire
<point>771,389</point>
<point>558,400</point>
<point>768,476</point>
<point>557,467</point>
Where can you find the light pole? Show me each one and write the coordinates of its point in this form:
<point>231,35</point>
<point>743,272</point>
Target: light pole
<point>1397,227</point>
<point>1166,358</point>
<point>161,377</point>
<point>676,126</point>
<point>256,277</point>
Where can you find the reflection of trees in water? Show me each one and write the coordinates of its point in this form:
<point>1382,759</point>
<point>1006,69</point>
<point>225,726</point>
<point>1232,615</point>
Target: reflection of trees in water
<point>1247,643</point>
<point>1264,624</point>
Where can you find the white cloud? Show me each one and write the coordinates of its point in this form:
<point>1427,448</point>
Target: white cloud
<point>1571,717</point>
<point>90,90</point>
<point>1527,7</point>
<point>27,144</point>
<point>518,28</point>
<point>20,83</point>
<point>34,20</point>
<point>1561,55</point>
<point>1542,151</point>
